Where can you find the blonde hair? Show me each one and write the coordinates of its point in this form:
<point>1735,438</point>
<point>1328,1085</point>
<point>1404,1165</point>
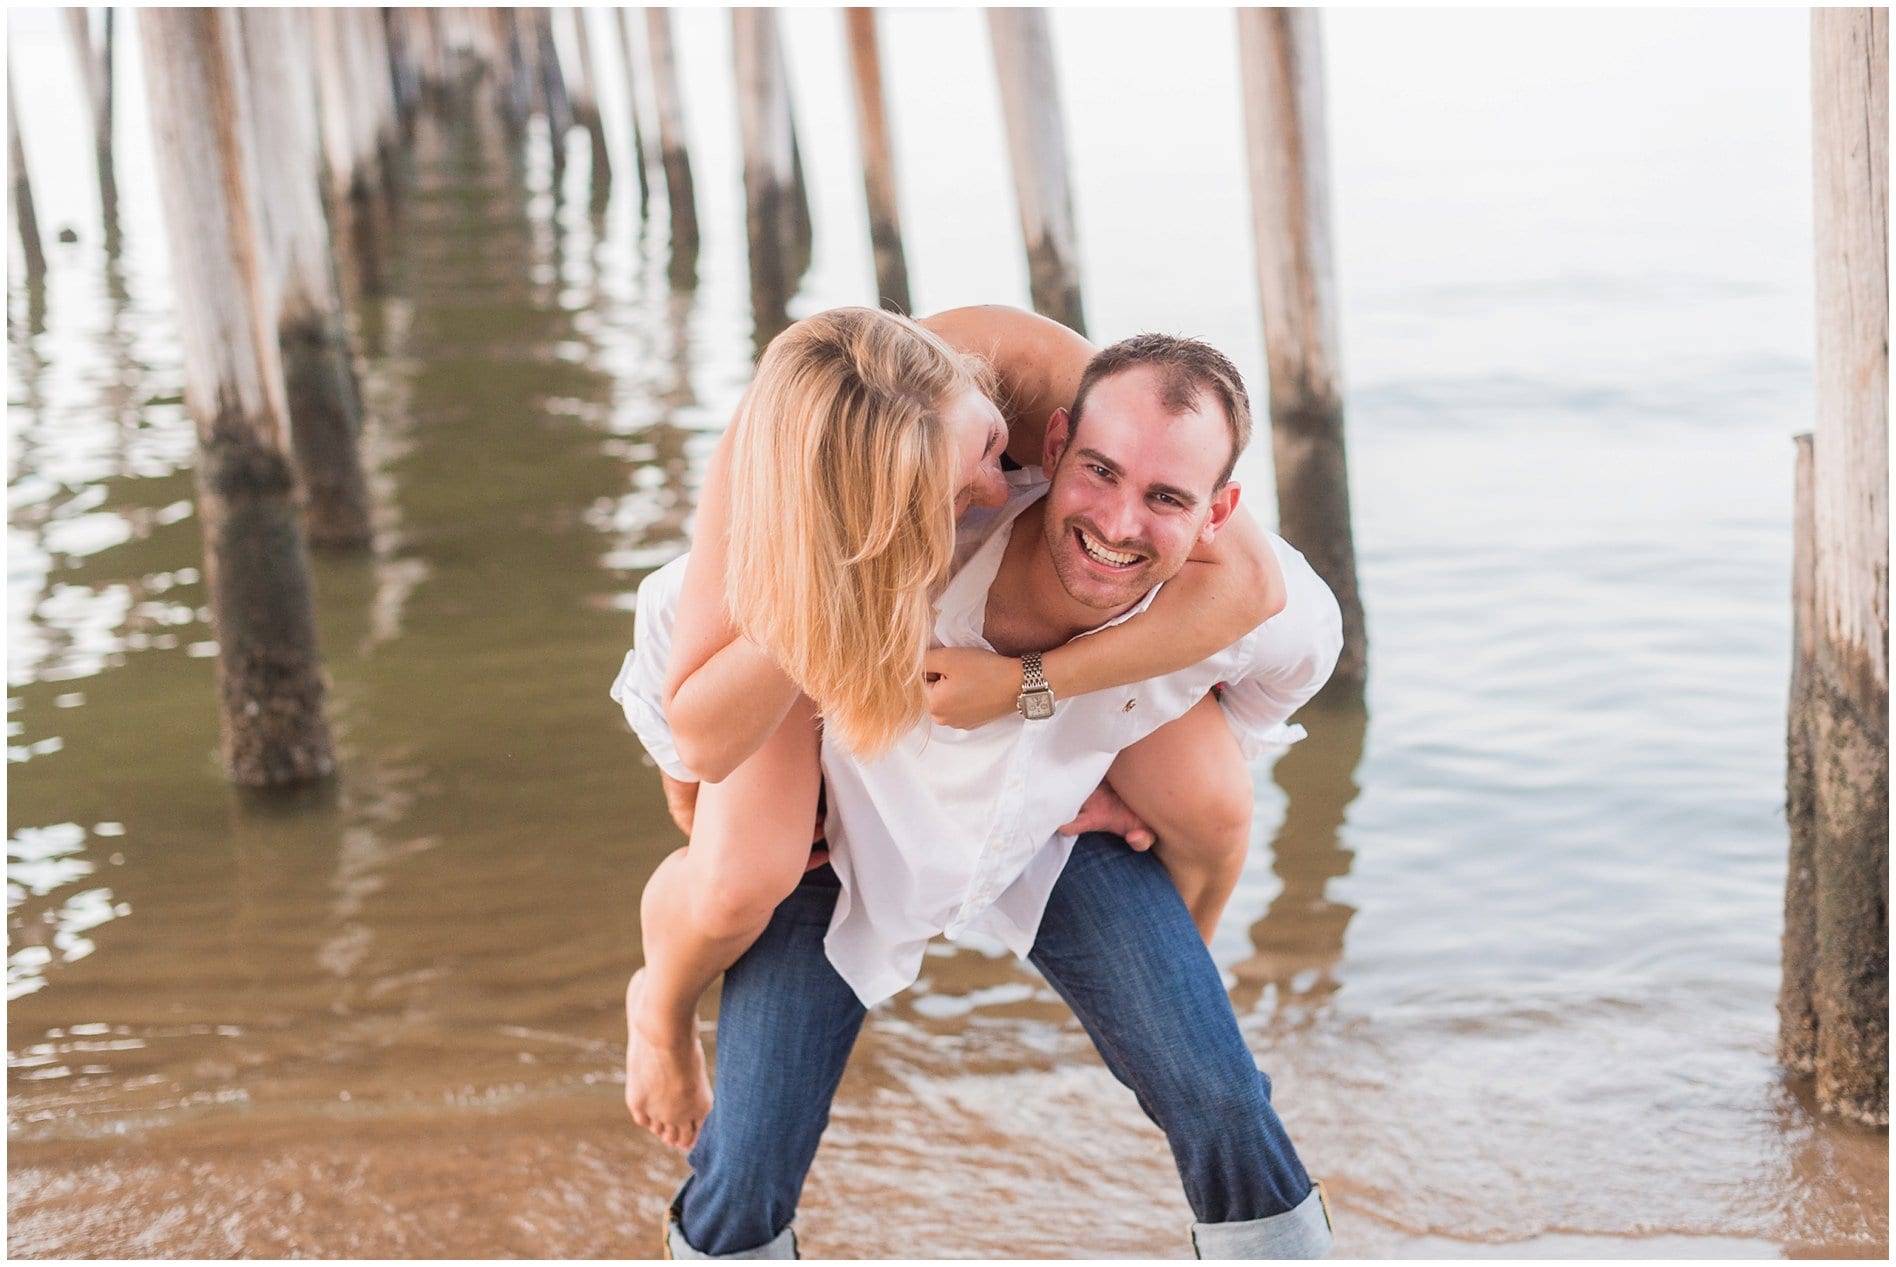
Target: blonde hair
<point>842,524</point>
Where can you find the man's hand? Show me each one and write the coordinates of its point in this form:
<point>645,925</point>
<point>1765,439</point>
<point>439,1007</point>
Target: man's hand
<point>1104,811</point>
<point>968,687</point>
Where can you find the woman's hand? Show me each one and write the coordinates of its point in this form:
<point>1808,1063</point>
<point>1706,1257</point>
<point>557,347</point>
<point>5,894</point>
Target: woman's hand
<point>968,687</point>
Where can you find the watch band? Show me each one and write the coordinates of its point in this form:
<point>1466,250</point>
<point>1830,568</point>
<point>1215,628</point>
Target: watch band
<point>1032,675</point>
<point>1035,700</point>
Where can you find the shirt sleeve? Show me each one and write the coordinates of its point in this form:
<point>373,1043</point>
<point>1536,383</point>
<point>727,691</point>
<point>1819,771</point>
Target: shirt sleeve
<point>1290,657</point>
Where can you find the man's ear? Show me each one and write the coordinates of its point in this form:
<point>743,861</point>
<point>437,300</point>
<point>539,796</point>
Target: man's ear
<point>1223,502</point>
<point>1059,431</point>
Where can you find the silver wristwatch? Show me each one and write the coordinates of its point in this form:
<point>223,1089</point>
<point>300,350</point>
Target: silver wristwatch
<point>1036,697</point>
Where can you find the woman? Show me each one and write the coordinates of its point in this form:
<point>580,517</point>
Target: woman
<point>825,530</point>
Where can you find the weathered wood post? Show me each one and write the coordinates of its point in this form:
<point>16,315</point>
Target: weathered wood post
<point>801,231</point>
<point>640,156</point>
<point>763,119</point>
<point>586,104</point>
<point>374,72</point>
<point>325,404</point>
<point>1282,63</point>
<point>516,95</point>
<point>23,215</point>
<point>553,97</point>
<point>403,31</point>
<point>347,140</point>
<point>878,160</point>
<point>95,71</point>
<point>671,144</point>
<point>270,677</point>
<point>1036,143</point>
<point>1834,1004</point>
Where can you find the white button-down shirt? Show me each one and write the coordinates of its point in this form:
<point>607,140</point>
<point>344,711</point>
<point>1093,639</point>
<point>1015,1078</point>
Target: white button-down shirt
<point>955,830</point>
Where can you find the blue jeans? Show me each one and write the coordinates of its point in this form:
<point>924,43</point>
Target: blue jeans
<point>1119,946</point>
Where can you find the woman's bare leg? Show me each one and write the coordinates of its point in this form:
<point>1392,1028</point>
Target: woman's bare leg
<point>703,907</point>
<point>1188,780</point>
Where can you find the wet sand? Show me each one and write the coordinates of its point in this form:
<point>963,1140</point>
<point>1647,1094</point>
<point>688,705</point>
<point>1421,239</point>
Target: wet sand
<point>566,1180</point>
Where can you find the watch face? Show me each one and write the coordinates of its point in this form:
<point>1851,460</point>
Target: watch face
<point>1036,705</point>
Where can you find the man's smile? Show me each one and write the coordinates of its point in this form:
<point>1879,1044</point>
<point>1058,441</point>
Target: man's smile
<point>1100,553</point>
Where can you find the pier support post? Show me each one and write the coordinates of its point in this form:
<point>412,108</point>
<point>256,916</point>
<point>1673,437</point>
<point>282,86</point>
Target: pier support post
<point>641,161</point>
<point>323,398</point>
<point>554,100</point>
<point>516,85</point>
<point>878,160</point>
<point>95,73</point>
<point>770,185</point>
<point>23,214</point>
<point>1036,142</point>
<point>586,107</point>
<point>270,678</point>
<point>1834,1007</point>
<point>1282,70</point>
<point>671,145</point>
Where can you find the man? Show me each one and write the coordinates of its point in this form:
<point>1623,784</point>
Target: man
<point>957,830</point>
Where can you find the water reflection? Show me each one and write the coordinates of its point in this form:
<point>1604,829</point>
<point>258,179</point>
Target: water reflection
<point>1299,941</point>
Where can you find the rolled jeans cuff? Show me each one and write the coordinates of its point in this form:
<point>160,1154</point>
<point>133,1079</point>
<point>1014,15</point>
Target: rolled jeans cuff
<point>782,1245</point>
<point>1301,1232</point>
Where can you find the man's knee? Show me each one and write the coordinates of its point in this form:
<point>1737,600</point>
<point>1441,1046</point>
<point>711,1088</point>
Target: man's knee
<point>1215,827</point>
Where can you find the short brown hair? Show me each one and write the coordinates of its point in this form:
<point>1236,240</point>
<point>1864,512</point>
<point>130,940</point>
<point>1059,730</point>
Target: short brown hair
<point>1187,368</point>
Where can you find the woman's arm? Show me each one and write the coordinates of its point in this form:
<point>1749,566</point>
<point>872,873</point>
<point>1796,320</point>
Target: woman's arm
<point>1038,363</point>
<point>723,695</point>
<point>1210,604</point>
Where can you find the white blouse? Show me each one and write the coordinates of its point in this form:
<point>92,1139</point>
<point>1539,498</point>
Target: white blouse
<point>954,830</point>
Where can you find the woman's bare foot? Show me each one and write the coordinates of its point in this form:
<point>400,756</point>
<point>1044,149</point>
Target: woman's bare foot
<point>666,1087</point>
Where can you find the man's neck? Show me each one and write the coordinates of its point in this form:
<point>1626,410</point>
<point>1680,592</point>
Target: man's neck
<point>1027,607</point>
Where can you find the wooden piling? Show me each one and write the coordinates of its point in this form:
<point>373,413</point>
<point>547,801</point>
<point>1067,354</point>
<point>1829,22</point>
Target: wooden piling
<point>338,107</point>
<point>374,74</point>
<point>640,155</point>
<point>586,104</point>
<point>323,398</point>
<point>23,214</point>
<point>1282,69</point>
<point>516,85</point>
<point>764,128</point>
<point>554,101</point>
<point>402,33</point>
<point>1036,143</point>
<point>1836,973</point>
<point>671,143</point>
<point>95,72</point>
<point>1797,1012</point>
<point>270,677</point>
<point>878,160</point>
<point>800,230</point>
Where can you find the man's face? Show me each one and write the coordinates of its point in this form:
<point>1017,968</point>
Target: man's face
<point>1133,490</point>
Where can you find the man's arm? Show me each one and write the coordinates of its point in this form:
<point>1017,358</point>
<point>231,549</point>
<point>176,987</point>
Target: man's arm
<point>1288,662</point>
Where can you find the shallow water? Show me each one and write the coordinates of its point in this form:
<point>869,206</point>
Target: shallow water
<point>1508,948</point>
